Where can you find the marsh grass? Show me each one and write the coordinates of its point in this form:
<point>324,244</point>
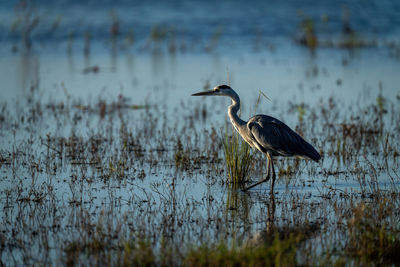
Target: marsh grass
<point>371,236</point>
<point>238,158</point>
<point>277,253</point>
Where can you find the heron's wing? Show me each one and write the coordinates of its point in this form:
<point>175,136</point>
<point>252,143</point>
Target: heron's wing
<point>273,135</point>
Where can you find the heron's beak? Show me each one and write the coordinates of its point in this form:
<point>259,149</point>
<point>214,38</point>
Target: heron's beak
<point>210,92</point>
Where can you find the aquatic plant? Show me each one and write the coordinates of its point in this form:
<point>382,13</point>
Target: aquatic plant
<point>307,35</point>
<point>277,253</point>
<point>182,156</point>
<point>238,158</point>
<point>371,236</point>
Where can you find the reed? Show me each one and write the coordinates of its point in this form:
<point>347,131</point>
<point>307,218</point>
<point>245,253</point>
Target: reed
<point>238,158</point>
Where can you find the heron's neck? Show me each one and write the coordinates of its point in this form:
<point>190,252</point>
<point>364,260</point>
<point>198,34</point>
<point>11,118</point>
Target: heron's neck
<point>232,112</point>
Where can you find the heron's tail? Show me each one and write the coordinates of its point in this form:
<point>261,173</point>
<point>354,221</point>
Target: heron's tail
<point>305,149</point>
<point>312,153</point>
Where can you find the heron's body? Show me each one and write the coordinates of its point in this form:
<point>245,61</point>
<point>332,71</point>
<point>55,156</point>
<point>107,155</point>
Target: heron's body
<point>267,134</point>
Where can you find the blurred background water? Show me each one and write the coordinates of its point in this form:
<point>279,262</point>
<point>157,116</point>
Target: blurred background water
<point>239,20</point>
<point>158,49</point>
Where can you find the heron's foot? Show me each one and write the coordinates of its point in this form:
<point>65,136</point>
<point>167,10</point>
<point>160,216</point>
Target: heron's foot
<point>255,184</point>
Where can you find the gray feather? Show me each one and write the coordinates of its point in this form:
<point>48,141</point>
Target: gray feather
<point>274,136</point>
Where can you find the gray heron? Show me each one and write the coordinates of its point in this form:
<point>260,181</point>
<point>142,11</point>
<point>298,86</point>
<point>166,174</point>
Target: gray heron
<point>265,133</point>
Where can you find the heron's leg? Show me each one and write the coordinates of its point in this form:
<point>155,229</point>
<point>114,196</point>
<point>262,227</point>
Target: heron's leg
<point>266,178</point>
<point>273,175</point>
<point>268,167</point>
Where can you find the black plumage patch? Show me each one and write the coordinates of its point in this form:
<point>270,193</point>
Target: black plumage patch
<point>223,86</point>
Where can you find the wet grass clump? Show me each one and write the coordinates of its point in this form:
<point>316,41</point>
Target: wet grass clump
<point>100,253</point>
<point>277,253</point>
<point>238,158</point>
<point>371,236</point>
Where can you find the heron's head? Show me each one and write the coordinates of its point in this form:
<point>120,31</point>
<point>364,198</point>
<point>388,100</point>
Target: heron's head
<point>224,90</point>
